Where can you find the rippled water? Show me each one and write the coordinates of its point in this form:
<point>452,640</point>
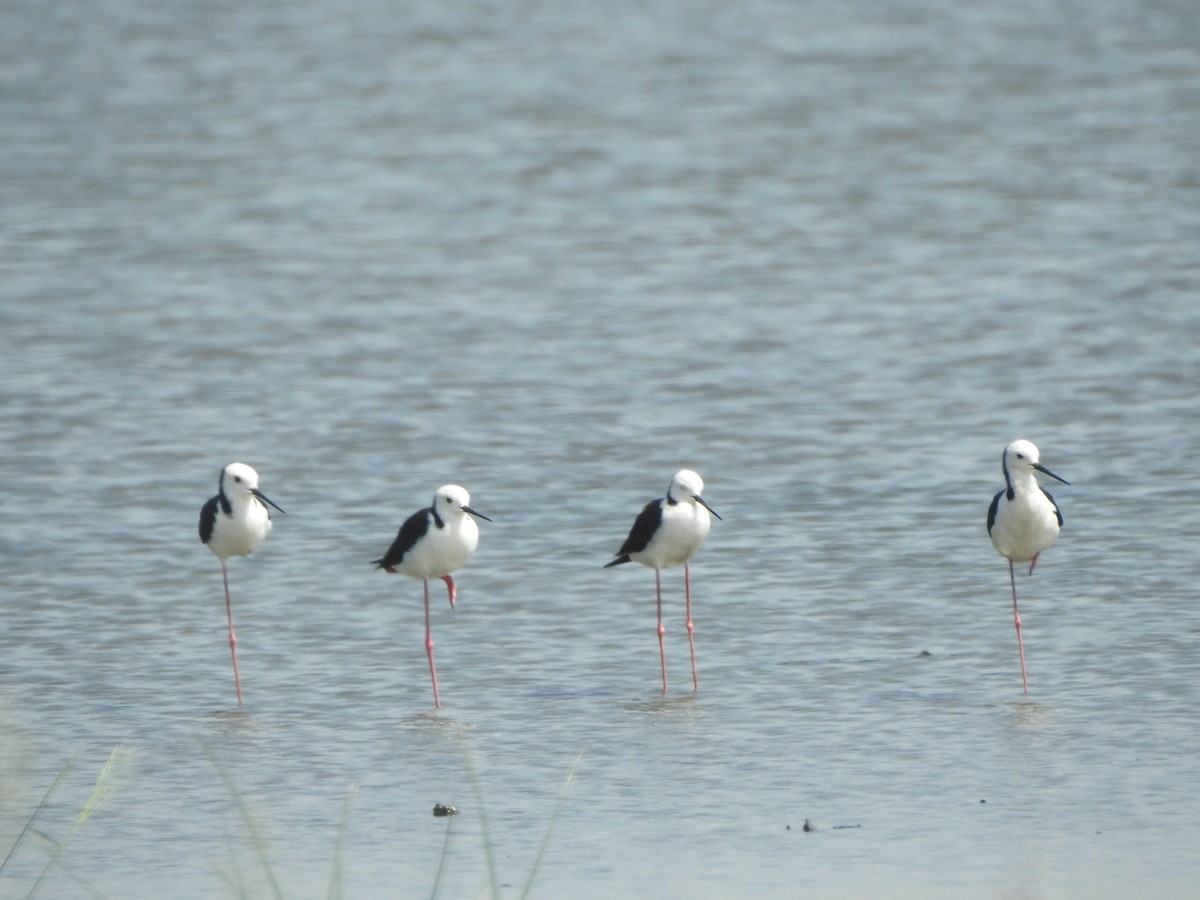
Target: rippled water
<point>832,258</point>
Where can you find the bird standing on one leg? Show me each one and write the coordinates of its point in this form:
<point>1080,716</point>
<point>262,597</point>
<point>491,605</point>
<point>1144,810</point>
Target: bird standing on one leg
<point>1023,520</point>
<point>234,523</point>
<point>432,543</point>
<point>668,532</point>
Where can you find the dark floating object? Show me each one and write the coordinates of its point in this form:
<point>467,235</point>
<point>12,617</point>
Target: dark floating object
<point>441,810</point>
<point>809,826</point>
<point>924,654</point>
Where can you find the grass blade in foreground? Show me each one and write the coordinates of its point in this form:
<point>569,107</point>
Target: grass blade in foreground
<point>256,839</point>
<point>558,808</point>
<point>108,782</point>
<point>335,880</point>
<point>62,773</point>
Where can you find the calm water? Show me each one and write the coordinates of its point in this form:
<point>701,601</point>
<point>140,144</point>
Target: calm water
<point>833,258</point>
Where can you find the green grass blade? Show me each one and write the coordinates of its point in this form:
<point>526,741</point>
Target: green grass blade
<point>108,782</point>
<point>558,808</point>
<point>62,773</point>
<point>488,853</point>
<point>81,881</point>
<point>256,839</point>
<point>233,884</point>
<point>441,869</point>
<point>335,880</point>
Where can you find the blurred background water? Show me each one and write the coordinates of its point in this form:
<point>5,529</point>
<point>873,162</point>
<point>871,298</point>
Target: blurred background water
<point>833,256</point>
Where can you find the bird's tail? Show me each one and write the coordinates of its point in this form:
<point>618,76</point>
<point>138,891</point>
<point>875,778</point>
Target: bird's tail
<point>617,561</point>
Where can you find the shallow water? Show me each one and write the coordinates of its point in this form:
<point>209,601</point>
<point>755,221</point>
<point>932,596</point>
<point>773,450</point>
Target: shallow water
<point>833,259</point>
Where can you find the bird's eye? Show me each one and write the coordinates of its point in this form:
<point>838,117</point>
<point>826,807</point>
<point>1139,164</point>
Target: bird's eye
<point>237,478</point>
<point>1020,456</point>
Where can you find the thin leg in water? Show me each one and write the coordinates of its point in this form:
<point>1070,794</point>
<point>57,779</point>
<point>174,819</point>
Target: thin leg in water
<point>662,648</point>
<point>429,647</point>
<point>687,589</point>
<point>237,678</point>
<point>1017,621</point>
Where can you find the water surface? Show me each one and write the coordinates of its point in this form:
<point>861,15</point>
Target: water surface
<point>832,258</point>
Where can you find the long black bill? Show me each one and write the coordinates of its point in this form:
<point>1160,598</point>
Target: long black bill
<point>265,499</point>
<point>477,515</point>
<point>1046,471</point>
<point>700,500</point>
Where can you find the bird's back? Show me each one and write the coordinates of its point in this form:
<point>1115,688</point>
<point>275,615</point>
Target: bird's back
<point>640,535</point>
<point>423,549</point>
<point>411,530</point>
<point>666,534</point>
<point>208,518</point>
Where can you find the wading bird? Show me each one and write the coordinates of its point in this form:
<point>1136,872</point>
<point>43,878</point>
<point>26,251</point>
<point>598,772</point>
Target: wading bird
<point>432,543</point>
<point>1023,520</point>
<point>668,532</point>
<point>234,523</point>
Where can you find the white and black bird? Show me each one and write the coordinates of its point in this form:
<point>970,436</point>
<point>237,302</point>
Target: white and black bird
<point>234,523</point>
<point>668,532</point>
<point>1023,520</point>
<point>432,543</point>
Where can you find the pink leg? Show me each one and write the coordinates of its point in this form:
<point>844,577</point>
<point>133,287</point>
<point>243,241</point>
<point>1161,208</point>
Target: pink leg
<point>237,678</point>
<point>1033,562</point>
<point>687,587</point>
<point>429,648</point>
<point>662,649</point>
<point>1017,620</point>
<point>453,590</point>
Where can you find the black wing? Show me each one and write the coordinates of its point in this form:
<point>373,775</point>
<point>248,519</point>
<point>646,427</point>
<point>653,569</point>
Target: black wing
<point>1057,511</point>
<point>640,535</point>
<point>992,511</point>
<point>208,518</point>
<point>411,531</point>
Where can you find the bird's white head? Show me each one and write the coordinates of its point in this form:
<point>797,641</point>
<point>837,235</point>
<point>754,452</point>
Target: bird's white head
<point>452,501</point>
<point>238,478</point>
<point>687,486</point>
<point>1021,458</point>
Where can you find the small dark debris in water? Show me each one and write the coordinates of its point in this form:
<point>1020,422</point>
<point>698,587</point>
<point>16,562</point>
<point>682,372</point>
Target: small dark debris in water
<point>809,826</point>
<point>441,810</point>
<point>923,654</point>
<point>983,801</point>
